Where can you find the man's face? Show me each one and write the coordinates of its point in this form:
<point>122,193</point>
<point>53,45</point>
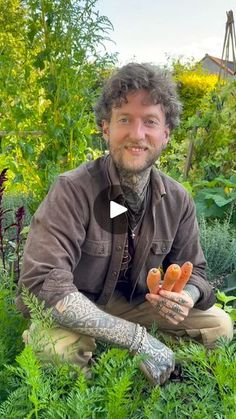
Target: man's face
<point>136,133</point>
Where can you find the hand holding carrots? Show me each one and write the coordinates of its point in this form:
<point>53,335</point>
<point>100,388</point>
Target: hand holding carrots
<point>175,278</point>
<point>172,306</point>
<point>169,299</point>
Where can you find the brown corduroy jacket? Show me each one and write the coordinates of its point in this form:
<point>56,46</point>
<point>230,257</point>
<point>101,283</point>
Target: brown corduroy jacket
<point>68,250</point>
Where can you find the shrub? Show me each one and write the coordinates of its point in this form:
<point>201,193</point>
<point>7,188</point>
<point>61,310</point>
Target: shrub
<point>214,139</point>
<point>193,86</point>
<point>216,198</point>
<point>218,240</point>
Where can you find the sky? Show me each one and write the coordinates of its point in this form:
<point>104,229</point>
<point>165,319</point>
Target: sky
<point>153,30</point>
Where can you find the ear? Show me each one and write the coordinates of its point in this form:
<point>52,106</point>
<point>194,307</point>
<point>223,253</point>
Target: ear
<point>166,135</point>
<point>105,130</point>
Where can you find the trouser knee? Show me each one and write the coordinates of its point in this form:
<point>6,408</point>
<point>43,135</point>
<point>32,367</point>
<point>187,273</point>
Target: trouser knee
<point>60,343</point>
<point>221,327</point>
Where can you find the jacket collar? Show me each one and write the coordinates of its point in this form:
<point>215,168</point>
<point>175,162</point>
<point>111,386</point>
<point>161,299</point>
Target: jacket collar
<point>157,185</point>
<point>115,192</point>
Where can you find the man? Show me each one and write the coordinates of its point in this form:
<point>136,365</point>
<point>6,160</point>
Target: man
<point>92,269</point>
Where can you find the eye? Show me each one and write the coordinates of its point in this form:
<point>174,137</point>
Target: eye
<point>123,120</point>
<point>151,122</point>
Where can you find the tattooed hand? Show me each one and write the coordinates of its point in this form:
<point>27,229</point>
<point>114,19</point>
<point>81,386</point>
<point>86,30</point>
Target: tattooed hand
<point>160,362</point>
<point>172,306</point>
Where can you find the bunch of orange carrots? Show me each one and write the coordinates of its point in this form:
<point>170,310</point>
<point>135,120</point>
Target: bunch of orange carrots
<point>174,280</point>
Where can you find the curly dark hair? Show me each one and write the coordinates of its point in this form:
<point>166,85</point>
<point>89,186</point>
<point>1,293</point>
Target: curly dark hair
<point>133,77</point>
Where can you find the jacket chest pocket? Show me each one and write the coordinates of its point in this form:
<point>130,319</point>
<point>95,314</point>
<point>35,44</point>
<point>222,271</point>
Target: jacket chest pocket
<point>158,251</point>
<point>91,270</point>
<point>97,248</point>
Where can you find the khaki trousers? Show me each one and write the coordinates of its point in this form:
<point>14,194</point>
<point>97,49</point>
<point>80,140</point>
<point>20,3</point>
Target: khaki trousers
<point>202,326</point>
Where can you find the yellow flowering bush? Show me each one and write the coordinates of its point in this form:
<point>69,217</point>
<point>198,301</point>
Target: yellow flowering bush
<point>203,82</point>
<point>201,121</point>
<point>193,85</point>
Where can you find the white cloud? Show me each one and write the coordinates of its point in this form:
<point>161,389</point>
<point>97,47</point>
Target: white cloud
<point>185,51</point>
<point>211,45</point>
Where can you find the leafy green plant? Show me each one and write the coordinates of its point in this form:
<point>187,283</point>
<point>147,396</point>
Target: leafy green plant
<point>224,301</point>
<point>219,246</point>
<point>203,145</point>
<point>214,143</point>
<point>213,376</point>
<point>63,391</point>
<point>38,390</point>
<point>216,198</point>
<point>12,326</point>
<point>116,387</point>
<point>41,325</point>
<point>194,87</point>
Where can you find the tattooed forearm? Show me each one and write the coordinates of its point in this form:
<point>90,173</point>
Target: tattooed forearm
<point>78,313</point>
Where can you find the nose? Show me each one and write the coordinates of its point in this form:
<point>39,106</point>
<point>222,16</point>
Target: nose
<point>137,130</point>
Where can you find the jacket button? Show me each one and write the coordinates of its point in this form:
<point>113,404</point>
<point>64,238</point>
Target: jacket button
<point>163,249</point>
<point>101,251</point>
<point>118,247</point>
<point>114,273</point>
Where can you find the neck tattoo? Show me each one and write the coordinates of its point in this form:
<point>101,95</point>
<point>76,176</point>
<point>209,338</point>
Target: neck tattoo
<point>134,187</point>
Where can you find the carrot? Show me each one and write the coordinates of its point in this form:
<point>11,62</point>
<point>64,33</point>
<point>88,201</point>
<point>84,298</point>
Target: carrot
<point>172,274</point>
<point>153,279</point>
<point>186,272</point>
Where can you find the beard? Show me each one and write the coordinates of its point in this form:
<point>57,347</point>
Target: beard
<point>132,164</point>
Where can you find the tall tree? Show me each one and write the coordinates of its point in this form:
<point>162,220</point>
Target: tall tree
<point>52,63</point>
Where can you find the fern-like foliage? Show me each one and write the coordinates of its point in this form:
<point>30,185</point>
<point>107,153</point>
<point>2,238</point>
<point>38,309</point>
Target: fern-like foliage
<point>115,373</point>
<point>41,324</point>
<point>213,376</point>
<point>38,312</point>
<point>111,392</point>
<point>12,326</point>
<point>17,405</point>
<point>118,390</point>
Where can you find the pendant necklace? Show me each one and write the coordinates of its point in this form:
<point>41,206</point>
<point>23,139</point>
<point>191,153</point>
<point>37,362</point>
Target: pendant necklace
<point>132,234</point>
<point>134,228</point>
<point>131,219</point>
<point>133,231</point>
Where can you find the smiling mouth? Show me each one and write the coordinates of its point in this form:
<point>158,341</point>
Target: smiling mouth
<point>136,148</point>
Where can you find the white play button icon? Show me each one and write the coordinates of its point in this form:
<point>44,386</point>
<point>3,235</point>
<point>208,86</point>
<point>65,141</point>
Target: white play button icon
<point>116,209</point>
